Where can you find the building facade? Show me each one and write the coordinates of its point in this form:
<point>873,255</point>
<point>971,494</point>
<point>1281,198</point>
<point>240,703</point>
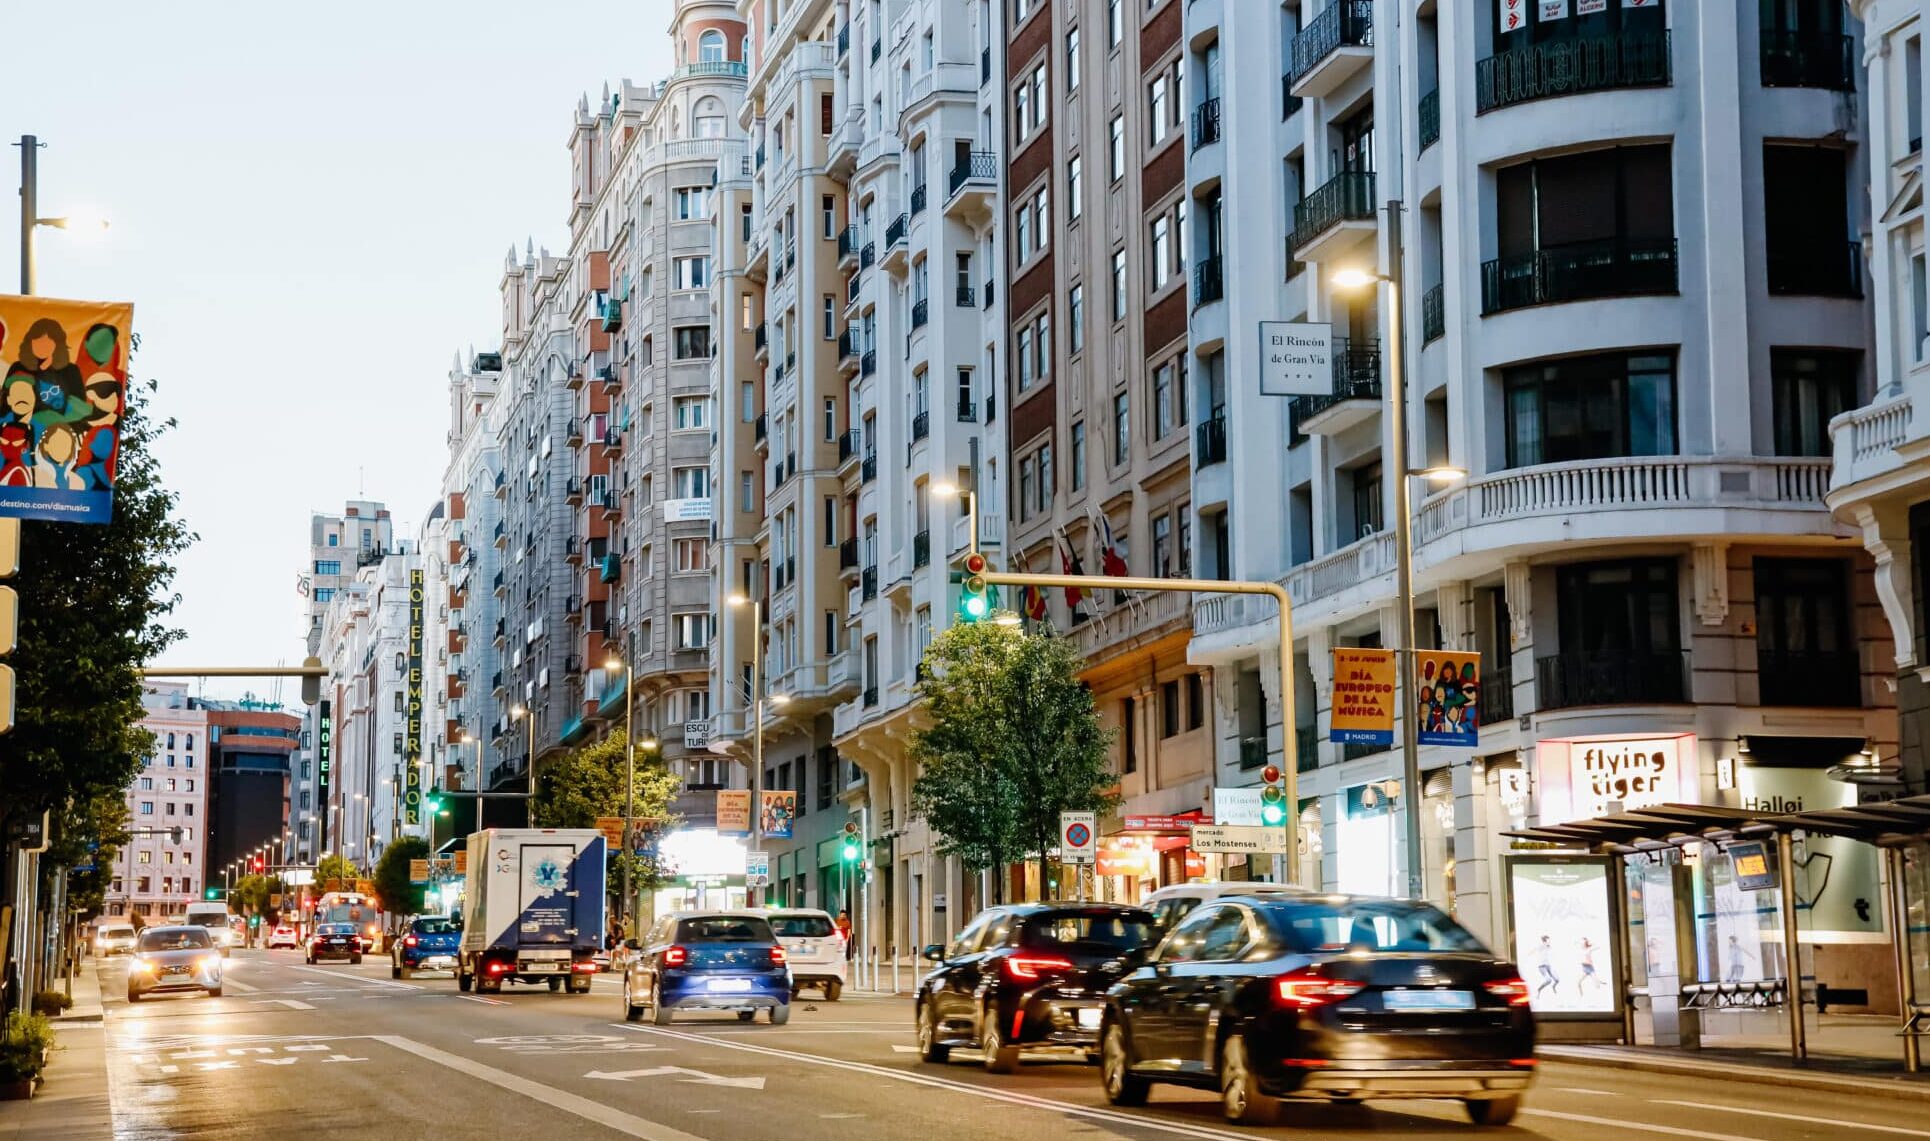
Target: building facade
<point>365,645</point>
<point>250,746</point>
<point>157,874</point>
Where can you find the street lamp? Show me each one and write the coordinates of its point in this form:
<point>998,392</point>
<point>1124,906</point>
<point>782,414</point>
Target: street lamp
<point>30,218</point>
<point>752,896</point>
<point>629,774</point>
<point>951,491</point>
<point>1354,278</point>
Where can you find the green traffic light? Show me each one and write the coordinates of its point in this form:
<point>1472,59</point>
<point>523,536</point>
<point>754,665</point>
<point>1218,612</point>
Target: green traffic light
<point>212,893</point>
<point>1273,814</point>
<point>850,851</point>
<point>974,607</point>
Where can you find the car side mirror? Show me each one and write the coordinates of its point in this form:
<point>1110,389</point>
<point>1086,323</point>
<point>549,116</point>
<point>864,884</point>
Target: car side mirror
<point>934,952</point>
<point>632,945</point>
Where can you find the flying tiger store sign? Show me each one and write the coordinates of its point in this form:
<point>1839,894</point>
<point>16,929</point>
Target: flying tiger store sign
<point>412,732</point>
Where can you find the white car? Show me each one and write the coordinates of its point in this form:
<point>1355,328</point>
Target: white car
<point>813,948</point>
<point>284,936</point>
<point>1170,904</point>
<point>114,939</point>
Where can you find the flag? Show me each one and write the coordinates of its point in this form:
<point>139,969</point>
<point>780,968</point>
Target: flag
<point>1069,561</point>
<point>1033,599</point>
<point>1111,562</point>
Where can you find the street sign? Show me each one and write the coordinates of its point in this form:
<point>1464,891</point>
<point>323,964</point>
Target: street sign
<point>1296,358</point>
<point>757,869</point>
<point>1237,805</point>
<point>1176,825</point>
<point>418,871</point>
<point>1239,838</point>
<point>1078,837</point>
<point>612,829</point>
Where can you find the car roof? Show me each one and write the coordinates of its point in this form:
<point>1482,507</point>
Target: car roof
<point>1216,890</point>
<point>796,911</point>
<point>1039,907</point>
<point>721,912</point>
<point>166,927</point>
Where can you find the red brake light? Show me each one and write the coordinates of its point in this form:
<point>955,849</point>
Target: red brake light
<point>676,956</point>
<point>777,955</point>
<point>1028,968</point>
<point>408,940</point>
<point>1304,990</point>
<point>1514,990</point>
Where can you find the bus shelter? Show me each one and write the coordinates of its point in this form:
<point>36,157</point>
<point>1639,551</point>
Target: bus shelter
<point>1759,854</point>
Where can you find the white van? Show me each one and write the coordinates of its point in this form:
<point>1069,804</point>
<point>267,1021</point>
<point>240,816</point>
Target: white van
<point>213,915</point>
<point>114,938</point>
<point>1170,904</point>
<point>813,948</point>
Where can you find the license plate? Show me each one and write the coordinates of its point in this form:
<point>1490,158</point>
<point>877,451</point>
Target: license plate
<point>730,986</point>
<point>437,961</point>
<point>1089,1019</point>
<point>1428,1000</point>
<point>541,968</point>
<point>338,942</point>
<point>175,971</point>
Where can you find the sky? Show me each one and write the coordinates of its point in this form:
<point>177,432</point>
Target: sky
<point>310,207</point>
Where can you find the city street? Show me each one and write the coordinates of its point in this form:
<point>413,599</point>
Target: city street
<point>333,1047</point>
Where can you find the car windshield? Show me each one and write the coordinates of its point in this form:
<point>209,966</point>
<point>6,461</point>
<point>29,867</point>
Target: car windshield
<point>118,932</point>
<point>1362,926</point>
<point>436,927</point>
<point>801,926</point>
<point>1104,932</point>
<point>724,929</point>
<point>174,939</point>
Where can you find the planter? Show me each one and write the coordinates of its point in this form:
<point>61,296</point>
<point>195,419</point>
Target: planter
<point>19,1090</point>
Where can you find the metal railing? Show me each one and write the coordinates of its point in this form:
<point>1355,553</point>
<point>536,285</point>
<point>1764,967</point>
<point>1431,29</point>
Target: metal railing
<point>1808,59</point>
<point>921,312</point>
<point>1617,677</point>
<point>1497,702</point>
<point>848,555</point>
<point>1209,284</point>
<point>1834,270</point>
<point>868,363</point>
<point>1210,441</point>
<point>1290,103</point>
<point>1571,67</point>
<point>967,411</point>
<point>849,444</point>
<point>1618,267</point>
<point>1347,196</point>
<point>921,549</point>
<point>918,196</point>
<point>895,232</point>
<point>761,427</point>
<point>868,583</point>
<point>1206,123</point>
<point>847,345</point>
<point>1253,752</point>
<point>868,255</point>
<point>868,470</point>
<point>978,166</point>
<point>848,241</point>
<point>967,297</point>
<point>1344,23</point>
<point>920,426</point>
<point>1430,118</point>
<point>1434,313</point>
<point>1831,678</point>
<point>1357,376</point>
<point>844,38</point>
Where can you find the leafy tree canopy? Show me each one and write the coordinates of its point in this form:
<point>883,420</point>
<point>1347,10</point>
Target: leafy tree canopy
<point>393,891</point>
<point>573,790</point>
<point>335,866</point>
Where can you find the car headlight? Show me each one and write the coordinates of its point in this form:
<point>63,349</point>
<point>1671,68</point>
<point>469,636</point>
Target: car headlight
<point>141,966</point>
<point>207,963</point>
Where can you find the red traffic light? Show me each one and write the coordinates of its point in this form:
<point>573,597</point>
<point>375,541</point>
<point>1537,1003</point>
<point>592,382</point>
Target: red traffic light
<point>1270,774</point>
<point>975,563</point>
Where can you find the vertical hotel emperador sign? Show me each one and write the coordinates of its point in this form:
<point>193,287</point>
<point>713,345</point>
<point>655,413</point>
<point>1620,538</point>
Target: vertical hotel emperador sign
<point>412,732</point>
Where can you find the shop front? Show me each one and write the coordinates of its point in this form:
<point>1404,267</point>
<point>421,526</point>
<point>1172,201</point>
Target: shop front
<point>1147,853</point>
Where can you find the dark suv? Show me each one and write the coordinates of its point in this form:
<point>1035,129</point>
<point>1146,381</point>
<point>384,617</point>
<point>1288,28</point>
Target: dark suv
<point>1027,976</point>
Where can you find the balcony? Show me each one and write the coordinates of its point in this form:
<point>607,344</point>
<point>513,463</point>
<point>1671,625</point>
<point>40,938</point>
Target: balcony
<point>991,408</point>
<point>920,426</point>
<point>988,293</point>
<point>574,379</point>
<point>1330,50</point>
<point>868,583</point>
<point>609,375</point>
<point>496,684</point>
<point>897,250</point>
<point>869,471</point>
<point>870,696</point>
<point>1434,314</point>
<point>1206,123</point>
<point>1611,677</point>
<point>868,363</point>
<point>573,549</point>
<point>969,191</point>
<point>1430,113</point>
<point>1253,752</point>
<point>1829,678</point>
<point>1356,394</point>
<point>868,255</point>
<point>611,568</point>
<point>967,411</point>
<point>918,195</point>
<point>496,584</point>
<point>967,298</point>
<point>1821,271</point>
<point>877,49</point>
<point>1571,67</point>
<point>1335,217</point>
<point>921,313</point>
<point>848,555</point>
<point>1209,284</point>
<point>1290,103</point>
<point>844,38</point>
<point>500,535</point>
<point>1808,59</point>
<point>761,339</point>
<point>848,347</point>
<point>1497,690</point>
<point>1209,440</point>
<point>849,446</point>
<point>573,605</point>
<point>848,246</point>
<point>851,286</point>
<point>921,549</point>
<point>612,315</point>
<point>1619,267</point>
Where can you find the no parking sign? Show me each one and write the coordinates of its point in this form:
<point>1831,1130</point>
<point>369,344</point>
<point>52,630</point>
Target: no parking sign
<point>1078,839</point>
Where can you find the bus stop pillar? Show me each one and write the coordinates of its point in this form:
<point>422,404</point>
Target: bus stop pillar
<point>1906,977</point>
<point>1792,949</point>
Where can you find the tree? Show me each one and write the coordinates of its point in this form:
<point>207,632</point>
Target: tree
<point>335,866</point>
<point>393,889</point>
<point>252,892</point>
<point>1014,740</point>
<point>585,783</point>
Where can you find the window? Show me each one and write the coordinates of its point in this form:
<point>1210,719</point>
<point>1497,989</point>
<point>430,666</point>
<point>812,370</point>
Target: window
<point>690,342</point>
<point>1028,489</point>
<point>1595,407</point>
<point>1159,257</point>
<point>691,482</point>
<point>1075,207</point>
<point>328,566</point>
<point>1162,545</point>
<point>1596,224</point>
<point>1072,60</point>
<point>828,205</point>
<point>1119,285</point>
<point>1619,632</point>
<point>1076,319</point>
<point>710,47</point>
<point>1195,691</point>
<point>167,808</point>
<point>690,412</point>
<point>1078,455</point>
<point>690,273</point>
<point>1046,484</point>
<point>830,522</point>
<point>744,217</point>
<point>1805,653</point>
<point>1116,149</point>
<point>693,631</point>
<point>1159,98</point>
<point>1021,110</point>
<point>691,555</point>
<point>1115,25</point>
<point>1163,404</point>
<point>1121,428</point>
<point>1169,711</point>
<point>1022,233</point>
<point>1368,516</point>
<point>1039,98</point>
<point>830,318</point>
<point>825,122</point>
<point>1022,353</point>
<point>1806,211</point>
<point>690,203</point>
<point>1809,387</point>
<point>325,593</point>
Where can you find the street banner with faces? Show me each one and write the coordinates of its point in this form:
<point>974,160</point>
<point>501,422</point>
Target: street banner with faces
<point>65,385</point>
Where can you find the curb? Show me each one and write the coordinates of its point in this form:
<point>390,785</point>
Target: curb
<point>1897,1089</point>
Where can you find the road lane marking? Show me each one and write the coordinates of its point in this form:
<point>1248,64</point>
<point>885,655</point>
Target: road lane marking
<point>1065,1108</point>
<point>1584,1091</point>
<point>1831,1121</point>
<point>1623,1123</point>
<point>290,1003</point>
<point>239,988</point>
<point>690,1077</point>
<point>352,975</point>
<point>627,1124</point>
<point>481,999</point>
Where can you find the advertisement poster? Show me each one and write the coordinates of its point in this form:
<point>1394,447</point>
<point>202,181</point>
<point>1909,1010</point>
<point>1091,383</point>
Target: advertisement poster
<point>1833,874</point>
<point>1579,779</point>
<point>776,813</point>
<point>1363,712</point>
<point>1548,11</point>
<point>1590,7</point>
<point>1652,924</point>
<point>733,811</point>
<point>1564,933</point>
<point>1737,952</point>
<point>1127,856</point>
<point>65,365</point>
<point>1450,697</point>
<point>1513,15</point>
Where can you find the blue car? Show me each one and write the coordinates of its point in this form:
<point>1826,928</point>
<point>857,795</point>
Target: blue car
<point>431,943</point>
<point>708,960</point>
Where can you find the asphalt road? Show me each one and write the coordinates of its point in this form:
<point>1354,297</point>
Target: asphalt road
<point>294,1050</point>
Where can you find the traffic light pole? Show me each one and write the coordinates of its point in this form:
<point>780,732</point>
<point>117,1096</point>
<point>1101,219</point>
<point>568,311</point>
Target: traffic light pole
<point>1290,767</point>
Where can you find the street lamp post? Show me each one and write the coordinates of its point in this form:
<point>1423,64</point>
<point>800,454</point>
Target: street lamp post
<point>752,896</point>
<point>629,778</point>
<point>30,218</point>
<point>950,490</point>
<point>528,717</point>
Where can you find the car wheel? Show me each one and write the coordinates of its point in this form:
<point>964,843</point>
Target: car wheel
<point>1494,1111</point>
<point>746,1015</point>
<point>930,1049</point>
<point>999,1058</point>
<point>355,960</point>
<point>214,992</point>
<point>133,995</point>
<point>556,985</point>
<point>660,1015</point>
<point>832,990</point>
<point>1115,1070</point>
<point>631,1011</point>
<point>780,1014</point>
<point>1241,1098</point>
<point>489,985</point>
<point>463,981</point>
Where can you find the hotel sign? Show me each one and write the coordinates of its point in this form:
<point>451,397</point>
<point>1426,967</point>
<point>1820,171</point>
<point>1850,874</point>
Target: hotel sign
<point>412,730</point>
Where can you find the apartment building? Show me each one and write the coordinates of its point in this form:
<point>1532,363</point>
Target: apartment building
<point>154,873</point>
<point>1099,241</point>
<point>1627,238</point>
<point>250,746</point>
<point>366,646</point>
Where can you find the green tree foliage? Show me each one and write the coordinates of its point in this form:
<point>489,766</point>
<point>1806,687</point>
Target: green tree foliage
<point>1014,740</point>
<point>575,789</point>
<point>252,893</point>
<point>393,890</point>
<point>93,604</point>
<point>335,866</point>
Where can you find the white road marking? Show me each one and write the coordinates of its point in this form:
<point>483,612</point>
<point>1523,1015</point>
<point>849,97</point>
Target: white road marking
<point>1830,1121</point>
<point>1585,1091</point>
<point>904,1049</point>
<point>239,988</point>
<point>691,1077</point>
<point>290,1003</point>
<point>1623,1123</point>
<point>358,978</point>
<point>627,1124</point>
<point>479,998</point>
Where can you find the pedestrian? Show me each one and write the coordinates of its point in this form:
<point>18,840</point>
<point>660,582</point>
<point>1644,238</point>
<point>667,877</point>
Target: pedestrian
<point>844,932</point>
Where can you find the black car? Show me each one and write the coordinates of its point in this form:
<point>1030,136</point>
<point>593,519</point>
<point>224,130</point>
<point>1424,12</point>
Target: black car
<point>335,941</point>
<point>1321,997</point>
<point>1027,976</point>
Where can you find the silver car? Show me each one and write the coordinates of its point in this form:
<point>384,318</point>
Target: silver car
<point>174,958</point>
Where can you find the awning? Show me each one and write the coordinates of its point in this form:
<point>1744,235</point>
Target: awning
<point>1884,823</point>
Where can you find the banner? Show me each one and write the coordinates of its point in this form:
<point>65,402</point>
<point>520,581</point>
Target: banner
<point>733,812</point>
<point>65,364</point>
<point>775,814</point>
<point>1513,16</point>
<point>412,728</point>
<point>1590,7</point>
<point>1449,685</point>
<point>1363,712</point>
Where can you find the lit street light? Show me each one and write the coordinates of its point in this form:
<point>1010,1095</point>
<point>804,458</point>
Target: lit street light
<point>758,700</point>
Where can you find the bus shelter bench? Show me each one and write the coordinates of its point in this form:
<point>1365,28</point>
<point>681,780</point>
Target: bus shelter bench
<point>1763,994</point>
<point>1918,1024</point>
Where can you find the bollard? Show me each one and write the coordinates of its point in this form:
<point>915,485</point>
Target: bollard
<point>894,974</point>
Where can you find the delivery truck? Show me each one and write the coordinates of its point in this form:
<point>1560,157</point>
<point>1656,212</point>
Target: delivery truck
<point>532,909</point>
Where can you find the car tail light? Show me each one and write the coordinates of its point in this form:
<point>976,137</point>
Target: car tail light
<point>777,956</point>
<point>1028,968</point>
<point>1514,990</point>
<point>498,968</point>
<point>1305,990</point>
<point>409,940</point>
<point>676,956</point>
<point>587,966</point>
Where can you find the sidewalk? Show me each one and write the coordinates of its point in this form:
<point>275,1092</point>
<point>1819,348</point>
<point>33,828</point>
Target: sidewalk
<point>73,1099</point>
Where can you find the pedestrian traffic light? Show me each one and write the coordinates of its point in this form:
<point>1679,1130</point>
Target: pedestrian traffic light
<point>254,921</point>
<point>1273,800</point>
<point>852,847</point>
<point>974,603</point>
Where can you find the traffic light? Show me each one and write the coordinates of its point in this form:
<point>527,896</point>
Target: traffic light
<point>853,848</point>
<point>211,893</point>
<point>311,686</point>
<point>256,864</point>
<point>432,800</point>
<point>254,921</point>
<point>1273,800</point>
<point>974,601</point>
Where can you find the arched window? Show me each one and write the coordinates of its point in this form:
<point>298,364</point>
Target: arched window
<point>190,742</point>
<point>710,47</point>
<point>710,118</point>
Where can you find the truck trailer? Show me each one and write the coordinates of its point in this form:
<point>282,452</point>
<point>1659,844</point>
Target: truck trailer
<point>532,908</point>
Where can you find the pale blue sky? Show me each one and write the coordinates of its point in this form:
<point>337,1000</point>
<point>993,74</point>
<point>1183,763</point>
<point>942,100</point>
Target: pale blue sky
<point>310,212</point>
